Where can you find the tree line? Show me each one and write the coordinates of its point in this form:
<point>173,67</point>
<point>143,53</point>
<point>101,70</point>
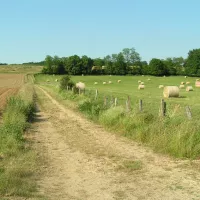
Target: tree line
<point>126,62</point>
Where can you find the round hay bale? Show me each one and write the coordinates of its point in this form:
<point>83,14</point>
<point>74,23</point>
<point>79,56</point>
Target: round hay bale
<point>161,86</point>
<point>182,86</point>
<point>142,83</point>
<point>197,84</point>
<point>189,88</point>
<point>80,85</point>
<point>171,91</point>
<point>187,83</point>
<point>141,87</point>
<point>182,83</point>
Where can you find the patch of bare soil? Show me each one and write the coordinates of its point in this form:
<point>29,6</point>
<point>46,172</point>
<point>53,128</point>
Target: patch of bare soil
<point>83,161</point>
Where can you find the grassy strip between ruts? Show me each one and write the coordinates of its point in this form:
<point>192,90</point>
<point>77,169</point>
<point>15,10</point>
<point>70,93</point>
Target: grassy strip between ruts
<point>17,160</point>
<point>174,135</point>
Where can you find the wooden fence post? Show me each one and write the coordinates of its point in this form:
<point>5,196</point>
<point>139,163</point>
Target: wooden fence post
<point>115,102</point>
<point>188,112</point>
<point>140,105</point>
<point>111,101</point>
<point>163,108</point>
<point>105,101</point>
<point>128,104</point>
<point>96,94</point>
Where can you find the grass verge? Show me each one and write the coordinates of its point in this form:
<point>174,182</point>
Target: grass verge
<point>17,160</point>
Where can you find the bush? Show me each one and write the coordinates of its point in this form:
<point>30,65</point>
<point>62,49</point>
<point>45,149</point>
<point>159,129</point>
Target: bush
<point>66,82</point>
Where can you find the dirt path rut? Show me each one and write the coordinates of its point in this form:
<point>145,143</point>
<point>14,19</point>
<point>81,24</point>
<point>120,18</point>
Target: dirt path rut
<point>83,161</point>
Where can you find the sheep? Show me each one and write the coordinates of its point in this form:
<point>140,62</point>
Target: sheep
<point>95,83</point>
<point>109,82</point>
<point>104,83</point>
<point>56,80</point>
<point>139,81</point>
<point>119,81</point>
<point>148,79</point>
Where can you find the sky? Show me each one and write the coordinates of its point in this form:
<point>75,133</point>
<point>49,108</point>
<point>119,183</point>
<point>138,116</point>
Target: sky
<point>32,29</point>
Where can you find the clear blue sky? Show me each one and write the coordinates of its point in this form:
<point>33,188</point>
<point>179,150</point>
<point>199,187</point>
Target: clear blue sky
<point>32,29</point>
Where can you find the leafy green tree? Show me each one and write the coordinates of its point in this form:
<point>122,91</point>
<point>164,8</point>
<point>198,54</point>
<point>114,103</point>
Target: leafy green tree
<point>157,67</point>
<point>130,56</point>
<point>48,65</point>
<point>120,65</point>
<point>192,65</point>
<point>73,65</point>
<point>108,64</point>
<point>87,64</point>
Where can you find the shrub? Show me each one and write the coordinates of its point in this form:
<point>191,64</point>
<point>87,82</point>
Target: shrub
<point>66,82</point>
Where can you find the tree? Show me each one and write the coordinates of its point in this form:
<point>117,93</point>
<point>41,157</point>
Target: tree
<point>192,65</point>
<point>87,64</point>
<point>130,56</point>
<point>108,64</point>
<point>120,65</point>
<point>73,65</point>
<point>157,67</point>
<point>48,65</point>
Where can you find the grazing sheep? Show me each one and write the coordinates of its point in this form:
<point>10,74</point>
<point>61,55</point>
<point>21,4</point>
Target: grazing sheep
<point>181,86</point>
<point>56,80</point>
<point>109,82</point>
<point>142,83</point>
<point>104,83</point>
<point>139,81</point>
<point>148,79</point>
<point>187,83</point>
<point>182,83</point>
<point>95,83</point>
<point>185,76</point>
<point>161,86</point>
<point>48,80</point>
<point>82,74</point>
<point>119,81</point>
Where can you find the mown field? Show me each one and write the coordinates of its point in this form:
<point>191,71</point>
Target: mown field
<point>151,95</point>
<point>22,69</point>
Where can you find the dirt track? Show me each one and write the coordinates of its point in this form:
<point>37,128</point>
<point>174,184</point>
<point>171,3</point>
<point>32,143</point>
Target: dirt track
<point>83,161</point>
<point>9,85</point>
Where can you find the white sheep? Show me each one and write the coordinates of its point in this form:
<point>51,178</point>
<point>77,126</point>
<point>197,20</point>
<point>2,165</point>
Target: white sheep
<point>109,82</point>
<point>95,83</point>
<point>56,80</point>
<point>119,81</point>
<point>104,83</point>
